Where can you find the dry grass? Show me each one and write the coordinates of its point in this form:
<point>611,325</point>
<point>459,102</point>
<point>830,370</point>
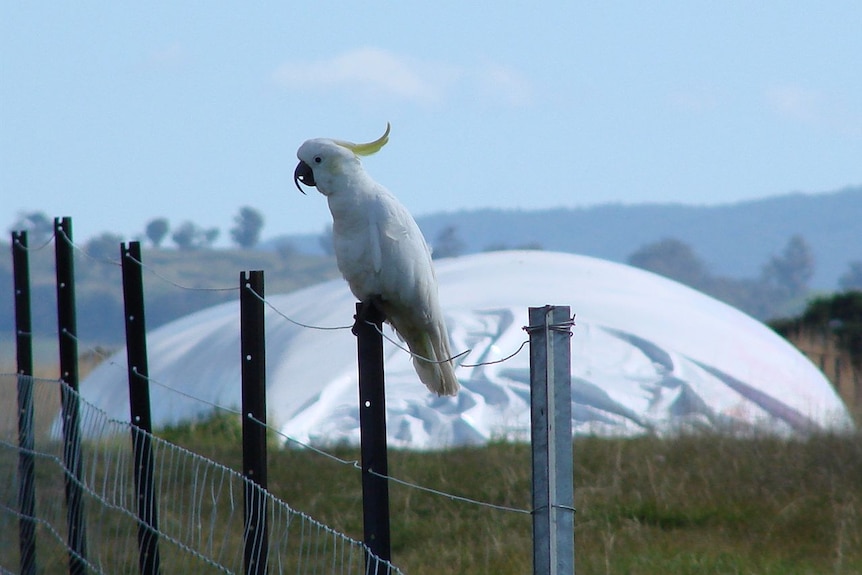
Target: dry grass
<point>703,503</point>
<point>691,504</point>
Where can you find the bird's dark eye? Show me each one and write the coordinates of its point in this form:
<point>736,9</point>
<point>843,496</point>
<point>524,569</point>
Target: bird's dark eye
<point>317,159</point>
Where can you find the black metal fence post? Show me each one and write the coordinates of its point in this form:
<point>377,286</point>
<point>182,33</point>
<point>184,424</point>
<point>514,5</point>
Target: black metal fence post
<point>253,349</point>
<point>23,321</point>
<point>372,425</point>
<point>26,440</point>
<point>139,406</point>
<point>68,342</point>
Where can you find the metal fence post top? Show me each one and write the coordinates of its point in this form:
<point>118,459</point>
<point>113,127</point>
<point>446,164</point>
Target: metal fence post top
<point>560,318</point>
<point>551,439</point>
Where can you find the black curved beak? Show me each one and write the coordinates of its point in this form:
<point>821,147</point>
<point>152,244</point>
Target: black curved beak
<point>303,174</point>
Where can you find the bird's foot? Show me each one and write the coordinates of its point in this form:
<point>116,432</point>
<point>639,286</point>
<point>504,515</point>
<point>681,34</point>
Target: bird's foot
<point>369,310</point>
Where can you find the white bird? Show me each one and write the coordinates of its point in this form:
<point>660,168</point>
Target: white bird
<point>381,252</point>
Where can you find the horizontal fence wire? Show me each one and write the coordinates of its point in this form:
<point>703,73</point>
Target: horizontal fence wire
<point>391,340</point>
<point>348,462</point>
<point>201,520</point>
<point>117,429</point>
<point>162,277</point>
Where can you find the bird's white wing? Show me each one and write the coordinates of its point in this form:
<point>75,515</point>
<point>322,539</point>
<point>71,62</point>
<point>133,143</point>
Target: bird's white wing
<point>407,275</point>
<point>375,234</point>
<point>409,290</point>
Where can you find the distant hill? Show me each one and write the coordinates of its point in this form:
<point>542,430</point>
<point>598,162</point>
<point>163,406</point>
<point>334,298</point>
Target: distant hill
<point>735,240</point>
<point>177,283</point>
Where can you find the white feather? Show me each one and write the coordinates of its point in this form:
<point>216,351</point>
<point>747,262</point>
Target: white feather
<point>381,252</point>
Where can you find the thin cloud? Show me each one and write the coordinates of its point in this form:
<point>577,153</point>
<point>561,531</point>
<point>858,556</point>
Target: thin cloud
<point>372,71</point>
<point>505,85</point>
<point>376,73</point>
<point>796,103</point>
<point>816,109</point>
<point>169,57</point>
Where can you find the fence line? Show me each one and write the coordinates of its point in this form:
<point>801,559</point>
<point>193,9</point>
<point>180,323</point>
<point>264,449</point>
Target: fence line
<point>347,462</point>
<point>152,270</point>
<point>201,527</point>
<point>352,463</point>
<point>107,490</point>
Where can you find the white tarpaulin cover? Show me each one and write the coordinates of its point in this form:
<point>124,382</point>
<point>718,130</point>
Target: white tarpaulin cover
<point>648,355</point>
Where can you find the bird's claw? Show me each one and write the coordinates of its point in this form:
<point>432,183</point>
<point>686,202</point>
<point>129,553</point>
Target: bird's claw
<point>370,311</point>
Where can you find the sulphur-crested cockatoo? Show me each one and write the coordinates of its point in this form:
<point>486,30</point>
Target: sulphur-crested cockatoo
<point>381,252</point>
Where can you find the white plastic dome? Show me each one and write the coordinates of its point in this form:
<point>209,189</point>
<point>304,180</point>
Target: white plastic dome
<point>648,355</point>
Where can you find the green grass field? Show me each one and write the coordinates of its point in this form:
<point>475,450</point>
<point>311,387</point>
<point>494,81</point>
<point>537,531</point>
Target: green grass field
<point>699,503</point>
<point>691,504</point>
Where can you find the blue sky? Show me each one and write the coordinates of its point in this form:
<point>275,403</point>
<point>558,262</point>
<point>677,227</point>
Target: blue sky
<point>116,114</point>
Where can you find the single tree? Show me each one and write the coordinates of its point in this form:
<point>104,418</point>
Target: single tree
<point>448,244</point>
<point>671,258</point>
<point>186,236</point>
<point>285,249</point>
<point>852,278</point>
<point>156,231</point>
<point>38,225</point>
<point>209,237</point>
<point>247,226</point>
<point>791,271</point>
<point>105,246</point>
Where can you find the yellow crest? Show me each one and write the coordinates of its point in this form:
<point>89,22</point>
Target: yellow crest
<point>370,147</point>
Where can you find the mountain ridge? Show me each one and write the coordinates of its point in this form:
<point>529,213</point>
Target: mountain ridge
<point>733,239</point>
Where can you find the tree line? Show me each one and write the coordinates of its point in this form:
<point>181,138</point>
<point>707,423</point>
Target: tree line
<point>781,288</point>
<point>245,233</point>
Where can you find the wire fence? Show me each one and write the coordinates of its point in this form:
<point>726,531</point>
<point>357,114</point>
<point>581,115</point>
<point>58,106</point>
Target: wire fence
<point>201,523</point>
<point>292,441</point>
<point>99,355</point>
<point>200,509</point>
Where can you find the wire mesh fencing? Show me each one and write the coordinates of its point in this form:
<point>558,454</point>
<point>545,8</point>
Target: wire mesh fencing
<point>199,502</point>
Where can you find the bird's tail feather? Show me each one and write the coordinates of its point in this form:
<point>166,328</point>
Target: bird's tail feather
<point>438,375</point>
